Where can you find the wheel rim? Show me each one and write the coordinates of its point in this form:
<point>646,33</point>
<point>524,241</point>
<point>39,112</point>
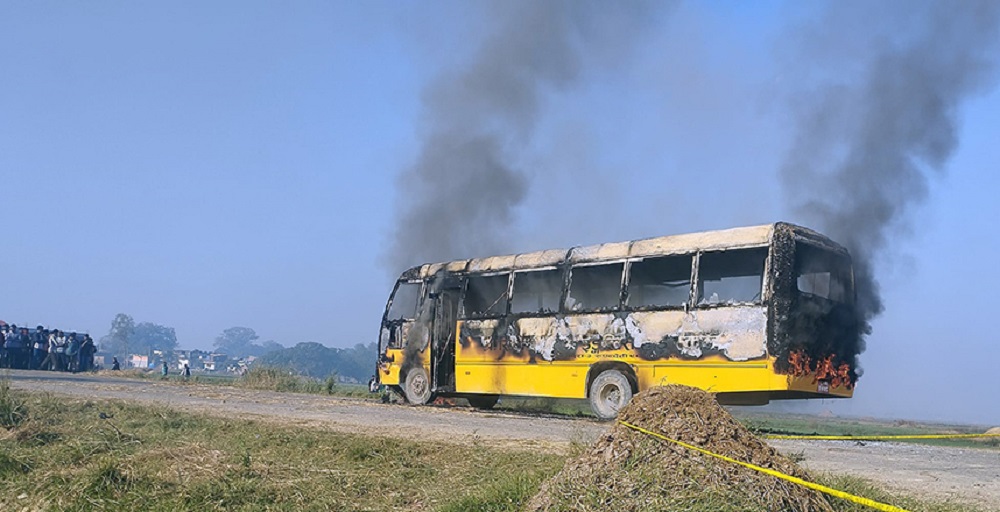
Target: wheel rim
<point>611,396</point>
<point>419,385</point>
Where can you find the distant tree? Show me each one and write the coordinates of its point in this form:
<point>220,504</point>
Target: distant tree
<point>149,336</point>
<point>316,360</point>
<point>269,346</point>
<point>308,358</point>
<point>119,336</point>
<point>358,361</point>
<point>237,341</point>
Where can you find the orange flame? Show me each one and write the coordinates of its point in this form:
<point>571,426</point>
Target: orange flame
<point>800,364</point>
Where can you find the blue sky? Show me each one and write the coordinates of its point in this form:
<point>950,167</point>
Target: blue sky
<point>204,166</point>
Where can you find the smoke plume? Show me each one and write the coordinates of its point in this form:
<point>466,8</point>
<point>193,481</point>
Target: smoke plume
<point>868,140</point>
<point>459,197</point>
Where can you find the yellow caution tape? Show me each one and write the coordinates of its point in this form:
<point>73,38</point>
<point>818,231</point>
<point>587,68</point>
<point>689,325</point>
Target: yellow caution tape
<point>816,487</point>
<point>880,438</point>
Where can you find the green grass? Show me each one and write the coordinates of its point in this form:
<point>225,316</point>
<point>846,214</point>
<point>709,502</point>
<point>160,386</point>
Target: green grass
<point>794,424</point>
<point>264,378</point>
<point>62,455</point>
<point>65,457</point>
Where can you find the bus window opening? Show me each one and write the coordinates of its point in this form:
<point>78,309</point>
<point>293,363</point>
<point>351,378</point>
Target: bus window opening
<point>821,274</point>
<point>537,291</point>
<point>731,277</point>
<point>486,296</point>
<point>404,302</point>
<point>595,287</point>
<point>660,282</point>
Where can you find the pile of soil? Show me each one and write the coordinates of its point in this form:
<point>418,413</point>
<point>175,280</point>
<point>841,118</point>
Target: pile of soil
<point>629,470</point>
<point>991,441</point>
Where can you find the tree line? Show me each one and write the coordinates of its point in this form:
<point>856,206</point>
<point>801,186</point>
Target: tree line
<point>307,358</point>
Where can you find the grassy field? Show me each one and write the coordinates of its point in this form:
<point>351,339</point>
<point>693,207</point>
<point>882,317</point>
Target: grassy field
<point>259,377</point>
<point>796,424</point>
<point>67,454</point>
<point>276,379</point>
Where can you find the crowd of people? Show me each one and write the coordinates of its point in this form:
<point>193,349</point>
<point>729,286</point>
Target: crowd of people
<point>45,349</point>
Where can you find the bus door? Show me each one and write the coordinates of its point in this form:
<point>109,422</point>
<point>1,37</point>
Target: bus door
<point>443,336</point>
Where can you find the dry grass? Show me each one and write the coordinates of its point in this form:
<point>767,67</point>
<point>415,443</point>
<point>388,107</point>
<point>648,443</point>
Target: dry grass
<point>71,454</point>
<point>64,456</point>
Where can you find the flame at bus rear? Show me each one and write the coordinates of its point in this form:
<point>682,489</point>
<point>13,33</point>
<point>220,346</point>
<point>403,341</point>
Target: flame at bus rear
<point>825,369</point>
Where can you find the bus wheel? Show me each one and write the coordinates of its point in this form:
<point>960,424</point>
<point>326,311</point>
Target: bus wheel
<point>418,387</point>
<point>483,401</point>
<point>609,392</point>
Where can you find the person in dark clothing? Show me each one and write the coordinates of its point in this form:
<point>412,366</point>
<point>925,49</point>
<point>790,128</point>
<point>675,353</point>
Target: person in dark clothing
<point>73,353</point>
<point>40,347</point>
<point>187,371</point>
<point>17,342</point>
<point>114,364</point>
<point>3,345</point>
<point>87,350</point>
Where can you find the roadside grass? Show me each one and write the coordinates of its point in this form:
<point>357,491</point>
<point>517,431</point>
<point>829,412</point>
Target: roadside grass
<point>264,378</point>
<point>278,379</point>
<point>794,424</point>
<point>64,456</point>
<point>72,454</point>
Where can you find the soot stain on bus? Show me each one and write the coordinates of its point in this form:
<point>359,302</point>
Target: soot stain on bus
<point>682,335</point>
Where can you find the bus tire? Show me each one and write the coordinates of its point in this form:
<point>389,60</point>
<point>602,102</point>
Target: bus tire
<point>609,393</point>
<point>483,401</point>
<point>418,387</point>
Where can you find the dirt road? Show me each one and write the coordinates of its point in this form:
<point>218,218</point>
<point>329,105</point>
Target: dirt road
<point>960,474</point>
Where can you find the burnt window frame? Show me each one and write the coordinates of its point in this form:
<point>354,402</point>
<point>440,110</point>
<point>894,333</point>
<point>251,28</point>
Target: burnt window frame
<point>392,300</point>
<point>692,276</point>
<point>698,288</point>
<point>568,286</point>
<point>465,314</point>
<point>561,269</point>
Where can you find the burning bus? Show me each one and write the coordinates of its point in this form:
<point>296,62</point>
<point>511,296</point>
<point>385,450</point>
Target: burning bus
<point>752,314</point>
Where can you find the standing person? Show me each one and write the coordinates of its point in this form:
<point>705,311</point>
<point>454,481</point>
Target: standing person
<point>114,364</point>
<point>3,346</point>
<point>73,353</point>
<point>187,371</point>
<point>165,370</point>
<point>13,347</point>
<point>40,347</point>
<point>87,350</point>
<point>60,351</point>
<point>50,356</point>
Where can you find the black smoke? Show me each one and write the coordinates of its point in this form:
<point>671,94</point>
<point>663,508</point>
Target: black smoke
<point>458,199</point>
<point>878,123</point>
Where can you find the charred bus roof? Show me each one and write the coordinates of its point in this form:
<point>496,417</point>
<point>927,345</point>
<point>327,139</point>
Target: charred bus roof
<point>718,240</point>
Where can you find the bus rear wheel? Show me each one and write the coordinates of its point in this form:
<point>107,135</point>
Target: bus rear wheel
<point>609,393</point>
<point>418,387</point>
<point>483,401</point>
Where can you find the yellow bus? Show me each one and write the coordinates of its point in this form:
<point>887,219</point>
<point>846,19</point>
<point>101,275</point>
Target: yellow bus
<point>752,314</point>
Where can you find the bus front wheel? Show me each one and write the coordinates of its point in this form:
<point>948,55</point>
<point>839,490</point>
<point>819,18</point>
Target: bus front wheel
<point>418,387</point>
<point>609,393</point>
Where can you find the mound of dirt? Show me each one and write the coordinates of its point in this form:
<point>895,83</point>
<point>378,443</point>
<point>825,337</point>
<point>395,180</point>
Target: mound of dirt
<point>992,441</point>
<point>629,470</point>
